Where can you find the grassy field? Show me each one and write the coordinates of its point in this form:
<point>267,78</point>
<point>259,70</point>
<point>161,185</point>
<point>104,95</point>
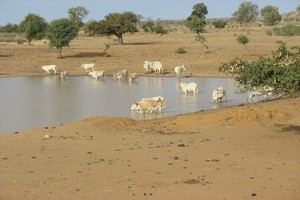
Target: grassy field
<point>22,59</point>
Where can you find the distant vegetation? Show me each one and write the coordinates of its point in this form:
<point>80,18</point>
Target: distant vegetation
<point>219,23</point>
<point>288,30</point>
<point>152,27</point>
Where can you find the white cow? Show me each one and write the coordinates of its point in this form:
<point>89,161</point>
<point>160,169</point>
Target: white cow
<point>121,74</point>
<point>157,67</point>
<point>47,68</point>
<point>218,94</point>
<point>132,76</point>
<point>147,106</point>
<point>188,87</point>
<point>157,98</point>
<point>97,74</point>
<point>179,69</point>
<point>90,66</point>
<point>267,91</point>
<point>146,66</point>
<point>65,74</point>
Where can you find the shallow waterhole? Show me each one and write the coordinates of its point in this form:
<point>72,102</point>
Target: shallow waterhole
<point>37,101</point>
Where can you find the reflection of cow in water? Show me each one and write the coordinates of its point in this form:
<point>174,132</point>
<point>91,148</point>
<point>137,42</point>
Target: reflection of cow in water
<point>267,91</point>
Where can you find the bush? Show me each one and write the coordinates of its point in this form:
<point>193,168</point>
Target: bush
<point>288,30</point>
<point>180,50</point>
<point>242,39</point>
<point>151,27</point>
<point>281,72</point>
<point>219,24</point>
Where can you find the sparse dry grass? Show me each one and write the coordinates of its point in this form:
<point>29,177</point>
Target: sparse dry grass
<point>26,60</point>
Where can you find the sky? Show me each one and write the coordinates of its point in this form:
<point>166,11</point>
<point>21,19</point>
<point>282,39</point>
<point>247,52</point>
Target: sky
<point>14,11</point>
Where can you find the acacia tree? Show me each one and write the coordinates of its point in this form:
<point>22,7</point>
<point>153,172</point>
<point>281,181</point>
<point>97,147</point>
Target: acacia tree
<point>117,24</point>
<point>196,21</point>
<point>281,72</point>
<point>77,14</point>
<point>270,15</point>
<point>247,12</point>
<point>34,27</point>
<point>60,34</point>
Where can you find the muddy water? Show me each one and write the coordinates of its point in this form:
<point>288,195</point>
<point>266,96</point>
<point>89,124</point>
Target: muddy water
<point>27,102</point>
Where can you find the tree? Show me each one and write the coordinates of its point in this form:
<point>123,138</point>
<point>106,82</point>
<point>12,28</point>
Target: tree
<point>117,24</point>
<point>91,27</point>
<point>77,14</point>
<point>9,28</point>
<point>196,21</point>
<point>298,8</point>
<point>202,39</point>
<point>242,39</point>
<point>157,28</point>
<point>60,34</point>
<point>280,72</point>
<point>270,15</point>
<point>148,26</point>
<point>34,27</point>
<point>246,13</point>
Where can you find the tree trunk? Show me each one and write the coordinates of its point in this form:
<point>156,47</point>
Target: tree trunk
<point>120,37</point>
<point>121,40</point>
<point>59,50</point>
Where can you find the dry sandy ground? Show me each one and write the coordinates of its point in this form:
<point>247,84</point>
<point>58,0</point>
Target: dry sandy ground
<point>244,152</point>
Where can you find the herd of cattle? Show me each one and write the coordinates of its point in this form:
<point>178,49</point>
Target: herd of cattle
<point>157,104</point>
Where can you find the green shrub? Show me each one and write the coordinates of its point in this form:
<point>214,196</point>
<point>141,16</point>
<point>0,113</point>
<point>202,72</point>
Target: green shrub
<point>242,39</point>
<point>180,50</point>
<point>219,24</point>
<point>282,72</point>
<point>288,30</point>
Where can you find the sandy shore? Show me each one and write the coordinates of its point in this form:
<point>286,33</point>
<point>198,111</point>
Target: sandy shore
<point>244,152</point>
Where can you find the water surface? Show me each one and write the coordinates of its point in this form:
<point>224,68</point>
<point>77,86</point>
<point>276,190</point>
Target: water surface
<point>28,102</point>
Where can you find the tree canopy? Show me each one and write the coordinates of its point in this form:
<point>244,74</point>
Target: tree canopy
<point>280,72</point>
<point>270,15</point>
<point>117,24</point>
<point>60,34</point>
<point>77,14</point>
<point>9,28</point>
<point>247,12</point>
<point>34,27</point>
<point>196,21</point>
<point>152,27</point>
